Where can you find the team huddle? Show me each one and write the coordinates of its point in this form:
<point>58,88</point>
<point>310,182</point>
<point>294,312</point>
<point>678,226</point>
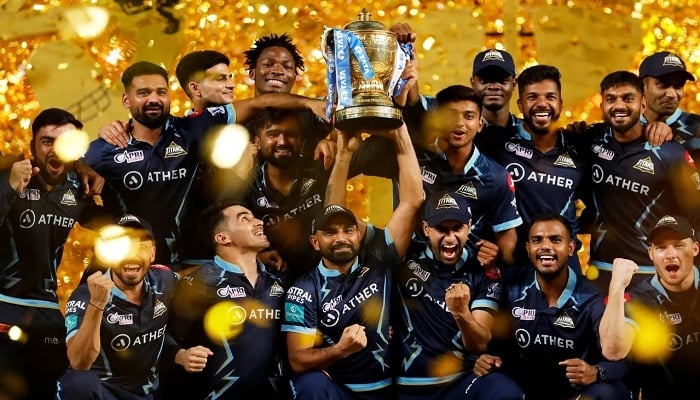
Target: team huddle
<point>472,290</point>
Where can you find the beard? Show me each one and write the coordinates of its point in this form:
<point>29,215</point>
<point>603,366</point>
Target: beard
<point>49,178</point>
<point>340,254</point>
<point>151,122</point>
<point>280,161</point>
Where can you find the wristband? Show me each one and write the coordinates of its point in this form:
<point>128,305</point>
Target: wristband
<point>101,309</point>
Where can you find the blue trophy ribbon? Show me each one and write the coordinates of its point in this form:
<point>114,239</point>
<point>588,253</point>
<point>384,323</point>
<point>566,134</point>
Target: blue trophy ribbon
<point>403,55</point>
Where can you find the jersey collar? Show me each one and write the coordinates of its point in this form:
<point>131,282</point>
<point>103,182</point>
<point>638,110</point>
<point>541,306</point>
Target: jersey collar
<point>231,267</point>
<point>328,272</point>
<point>472,159</point>
<point>568,292</point>
<point>670,120</point>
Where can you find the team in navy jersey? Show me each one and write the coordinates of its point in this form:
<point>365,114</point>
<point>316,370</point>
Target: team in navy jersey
<point>320,304</point>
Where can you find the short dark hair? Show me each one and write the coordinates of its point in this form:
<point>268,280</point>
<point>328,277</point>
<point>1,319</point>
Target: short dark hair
<point>142,68</point>
<point>213,215</point>
<point>618,78</point>
<point>196,62</point>
<point>458,93</point>
<point>273,40</point>
<point>538,73</point>
<point>545,217</point>
<point>54,116</point>
<point>270,116</point>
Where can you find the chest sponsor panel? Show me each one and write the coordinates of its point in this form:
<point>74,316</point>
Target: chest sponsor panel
<point>601,177</point>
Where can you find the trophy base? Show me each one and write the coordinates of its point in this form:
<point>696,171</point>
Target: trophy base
<point>368,118</point>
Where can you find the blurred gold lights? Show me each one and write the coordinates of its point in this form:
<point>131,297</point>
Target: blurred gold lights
<point>71,145</point>
<point>227,145</point>
<point>113,244</point>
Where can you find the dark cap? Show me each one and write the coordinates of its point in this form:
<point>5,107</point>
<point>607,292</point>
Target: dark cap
<point>329,212</point>
<point>662,63</point>
<point>132,221</point>
<point>493,58</point>
<point>445,206</point>
<point>674,223</point>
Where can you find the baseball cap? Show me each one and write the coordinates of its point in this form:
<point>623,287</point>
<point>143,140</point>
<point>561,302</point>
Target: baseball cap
<point>132,221</point>
<point>662,63</point>
<point>493,58</point>
<point>674,223</point>
<point>329,212</point>
<point>444,206</point>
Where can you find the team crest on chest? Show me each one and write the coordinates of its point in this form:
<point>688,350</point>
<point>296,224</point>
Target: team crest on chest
<point>306,185</point>
<point>645,165</point>
<point>564,160</point>
<point>276,290</point>
<point>159,309</point>
<point>468,190</point>
<point>68,198</point>
<point>565,321</point>
<point>174,150</point>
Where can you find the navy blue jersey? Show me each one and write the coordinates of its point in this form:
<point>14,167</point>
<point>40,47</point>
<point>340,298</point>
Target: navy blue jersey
<point>677,377</point>
<point>34,226</point>
<point>634,185</point>
<point>545,335</point>
<point>325,302</point>
<point>132,337</point>
<point>156,181</point>
<point>487,186</point>
<point>686,131</point>
<point>249,358</point>
<point>426,331</point>
<point>287,219</point>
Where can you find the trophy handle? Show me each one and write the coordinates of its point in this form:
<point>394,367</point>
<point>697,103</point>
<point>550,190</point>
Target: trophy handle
<point>326,39</point>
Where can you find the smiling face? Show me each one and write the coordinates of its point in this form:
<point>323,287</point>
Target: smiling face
<point>148,99</point>
<point>663,94</point>
<point>215,87</point>
<point>275,71</point>
<point>280,141</point>
<point>621,106</point>
<point>462,123</point>
<point>241,229</point>
<point>672,256</point>
<point>131,270</point>
<point>447,240</point>
<point>549,247</point>
<point>495,86</point>
<point>338,240</point>
<point>541,104</point>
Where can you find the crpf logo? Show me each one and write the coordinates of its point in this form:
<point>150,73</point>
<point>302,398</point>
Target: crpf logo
<point>516,171</point>
<point>414,287</point>
<point>270,220</point>
<point>331,318</point>
<point>236,315</point>
<point>133,180</point>
<point>674,342</point>
<point>597,174</point>
<point>27,219</point>
<point>121,342</point>
<point>516,312</point>
<point>126,319</point>
<point>120,157</point>
<point>263,202</point>
<point>522,337</point>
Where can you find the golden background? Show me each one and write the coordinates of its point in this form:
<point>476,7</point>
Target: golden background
<point>41,65</point>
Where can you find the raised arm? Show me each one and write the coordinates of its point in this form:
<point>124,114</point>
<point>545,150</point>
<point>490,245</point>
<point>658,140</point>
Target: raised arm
<point>247,109</point>
<point>616,335</point>
<point>475,326</point>
<point>84,346</point>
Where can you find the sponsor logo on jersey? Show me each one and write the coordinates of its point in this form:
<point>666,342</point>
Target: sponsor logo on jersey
<point>565,321</point>
<point>598,176</point>
<point>306,185</point>
<point>216,110</point>
<point>418,271</point>
<point>645,165</point>
<point>493,290</point>
<point>123,341</point>
<point>71,322</point>
<point>276,290</point>
<point>133,180</point>
<point>519,150</point>
<point>129,157</point>
<point>28,219</point>
<point>605,154</point>
<point>30,194</point>
<point>174,150</point>
<point>298,295</point>
<point>68,198</point>
<point>331,304</point>
<point>468,190</point>
<point>525,314</point>
<point>121,319</point>
<point>564,160</point>
<point>232,292</point>
<point>428,177</point>
<point>671,319</point>
<point>159,309</point>
<point>264,202</point>
<point>414,287</point>
<point>293,313</point>
<point>73,306</point>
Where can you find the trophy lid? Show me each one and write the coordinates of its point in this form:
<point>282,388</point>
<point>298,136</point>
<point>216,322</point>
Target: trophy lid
<point>364,23</point>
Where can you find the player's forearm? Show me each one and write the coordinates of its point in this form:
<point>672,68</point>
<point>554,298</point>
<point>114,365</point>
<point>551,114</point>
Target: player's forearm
<point>475,337</point>
<point>615,340</point>
<point>311,359</point>
<point>84,347</point>
<point>337,181</point>
<point>410,181</point>
<point>506,242</point>
<point>285,101</point>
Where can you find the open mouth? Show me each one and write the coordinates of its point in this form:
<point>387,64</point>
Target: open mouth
<point>449,251</point>
<point>546,260</point>
<point>541,117</point>
<point>275,83</point>
<point>619,115</point>
<point>673,268</point>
